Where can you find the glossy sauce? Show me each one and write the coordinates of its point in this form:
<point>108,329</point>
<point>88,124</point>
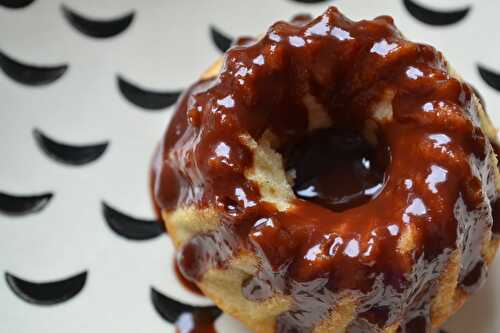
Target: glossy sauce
<point>195,322</point>
<point>186,318</point>
<point>337,169</point>
<point>189,285</point>
<point>344,231</point>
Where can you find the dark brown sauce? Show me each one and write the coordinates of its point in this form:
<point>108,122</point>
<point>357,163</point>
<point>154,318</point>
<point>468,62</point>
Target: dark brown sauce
<point>192,287</point>
<point>195,322</point>
<point>337,169</point>
<point>186,318</point>
<point>341,239</point>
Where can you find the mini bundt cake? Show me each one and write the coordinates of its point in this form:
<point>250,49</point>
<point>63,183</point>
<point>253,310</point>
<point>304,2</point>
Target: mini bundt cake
<point>331,176</point>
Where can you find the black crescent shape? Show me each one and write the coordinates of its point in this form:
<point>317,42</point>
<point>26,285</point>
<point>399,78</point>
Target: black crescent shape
<point>28,74</point>
<point>23,205</point>
<point>222,41</point>
<point>490,77</point>
<point>130,227</point>
<point>434,17</point>
<point>46,293</point>
<point>170,309</point>
<point>147,99</point>
<point>97,28</point>
<point>15,4</point>
<point>69,154</point>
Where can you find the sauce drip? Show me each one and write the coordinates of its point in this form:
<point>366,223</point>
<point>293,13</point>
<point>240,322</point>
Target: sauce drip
<point>195,322</point>
<point>156,163</point>
<point>186,318</point>
<point>192,287</point>
<point>378,223</point>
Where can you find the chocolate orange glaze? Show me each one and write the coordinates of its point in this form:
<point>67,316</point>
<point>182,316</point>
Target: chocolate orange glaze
<point>382,145</point>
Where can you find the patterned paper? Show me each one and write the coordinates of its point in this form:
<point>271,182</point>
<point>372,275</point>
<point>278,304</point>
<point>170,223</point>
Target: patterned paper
<point>87,89</point>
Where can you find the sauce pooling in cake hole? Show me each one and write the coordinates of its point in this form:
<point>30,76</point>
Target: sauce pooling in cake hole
<point>337,169</point>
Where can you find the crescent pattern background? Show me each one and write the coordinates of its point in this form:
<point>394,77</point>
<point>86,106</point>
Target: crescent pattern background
<point>87,90</point>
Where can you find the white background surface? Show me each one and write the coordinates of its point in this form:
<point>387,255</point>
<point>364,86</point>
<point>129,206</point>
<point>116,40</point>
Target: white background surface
<point>166,47</point>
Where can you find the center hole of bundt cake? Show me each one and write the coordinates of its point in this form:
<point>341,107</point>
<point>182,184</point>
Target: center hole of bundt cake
<point>336,168</point>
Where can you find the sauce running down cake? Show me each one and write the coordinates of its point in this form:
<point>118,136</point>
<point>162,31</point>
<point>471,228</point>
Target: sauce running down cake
<point>331,176</point>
